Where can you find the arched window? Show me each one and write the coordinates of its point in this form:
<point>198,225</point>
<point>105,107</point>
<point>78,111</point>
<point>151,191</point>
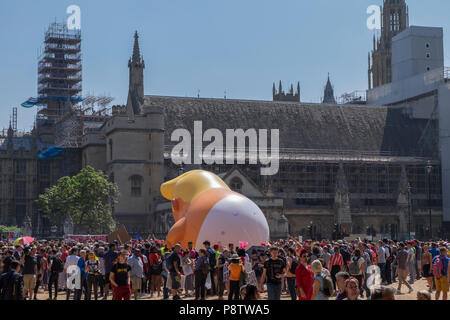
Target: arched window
<point>136,185</point>
<point>236,184</point>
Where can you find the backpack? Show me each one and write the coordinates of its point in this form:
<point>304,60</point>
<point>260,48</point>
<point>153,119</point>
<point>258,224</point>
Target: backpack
<point>354,268</point>
<point>212,258</point>
<point>345,255</point>
<point>438,268</point>
<point>57,265</point>
<point>156,267</point>
<point>11,289</point>
<point>328,286</point>
<point>205,267</point>
<point>294,265</point>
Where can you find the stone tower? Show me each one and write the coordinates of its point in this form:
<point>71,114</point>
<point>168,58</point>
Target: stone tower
<point>328,93</point>
<point>394,20</point>
<point>136,87</point>
<point>135,153</point>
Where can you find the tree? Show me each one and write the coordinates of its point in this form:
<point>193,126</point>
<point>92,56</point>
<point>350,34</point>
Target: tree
<point>87,198</point>
<point>8,229</point>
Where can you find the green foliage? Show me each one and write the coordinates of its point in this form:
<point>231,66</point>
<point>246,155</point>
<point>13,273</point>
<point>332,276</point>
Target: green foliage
<point>7,229</point>
<point>87,198</point>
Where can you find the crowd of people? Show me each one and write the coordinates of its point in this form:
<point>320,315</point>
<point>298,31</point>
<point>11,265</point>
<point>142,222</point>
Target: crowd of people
<point>311,270</point>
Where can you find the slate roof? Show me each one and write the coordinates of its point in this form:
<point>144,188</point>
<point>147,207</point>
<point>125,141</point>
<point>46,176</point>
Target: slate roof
<point>305,126</point>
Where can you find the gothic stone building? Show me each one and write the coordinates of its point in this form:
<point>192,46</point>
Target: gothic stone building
<point>361,167</point>
<point>395,19</point>
<point>23,176</point>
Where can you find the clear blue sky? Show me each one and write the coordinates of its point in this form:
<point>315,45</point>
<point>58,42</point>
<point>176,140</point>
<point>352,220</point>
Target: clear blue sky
<point>240,46</point>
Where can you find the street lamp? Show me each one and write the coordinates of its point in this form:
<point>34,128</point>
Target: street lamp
<point>409,211</point>
<point>429,167</point>
<point>310,229</point>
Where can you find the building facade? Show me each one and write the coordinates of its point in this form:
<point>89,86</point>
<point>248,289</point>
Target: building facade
<point>352,167</point>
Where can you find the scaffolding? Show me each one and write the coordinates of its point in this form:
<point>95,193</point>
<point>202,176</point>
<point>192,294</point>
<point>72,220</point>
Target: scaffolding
<point>59,71</point>
<point>355,97</point>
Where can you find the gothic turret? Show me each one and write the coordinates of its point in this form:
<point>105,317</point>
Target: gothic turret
<point>136,87</point>
<point>282,96</point>
<point>328,94</point>
<point>395,19</point>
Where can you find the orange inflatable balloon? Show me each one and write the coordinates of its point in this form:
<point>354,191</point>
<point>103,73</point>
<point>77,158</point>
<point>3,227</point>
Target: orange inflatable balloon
<point>205,208</point>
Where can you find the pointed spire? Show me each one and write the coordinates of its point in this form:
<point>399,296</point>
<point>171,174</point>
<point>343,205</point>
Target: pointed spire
<point>328,95</point>
<point>136,50</point>
<point>291,91</point>
<point>298,87</point>
<point>280,88</point>
<point>274,90</point>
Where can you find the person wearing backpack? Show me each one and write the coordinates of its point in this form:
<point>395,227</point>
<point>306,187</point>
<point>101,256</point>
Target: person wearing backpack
<point>155,270</point>
<point>318,284</point>
<point>356,269</point>
<point>11,283</point>
<point>56,266</point>
<point>211,254</point>
<point>291,265</point>
<point>440,272</point>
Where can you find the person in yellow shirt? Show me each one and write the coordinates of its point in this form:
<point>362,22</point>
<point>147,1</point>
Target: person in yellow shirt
<point>236,268</point>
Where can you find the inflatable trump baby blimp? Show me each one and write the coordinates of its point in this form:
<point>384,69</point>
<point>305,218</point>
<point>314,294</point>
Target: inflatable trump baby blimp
<point>205,208</point>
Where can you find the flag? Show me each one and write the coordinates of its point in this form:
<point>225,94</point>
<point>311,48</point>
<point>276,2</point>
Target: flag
<point>138,236</point>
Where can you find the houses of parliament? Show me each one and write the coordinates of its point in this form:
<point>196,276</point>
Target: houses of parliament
<point>362,167</point>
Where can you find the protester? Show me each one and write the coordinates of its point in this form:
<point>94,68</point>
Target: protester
<point>274,269</point>
<point>188,271</point>
<point>402,269</point>
<point>341,277</point>
<point>155,270</point>
<point>201,273</point>
<point>440,272</point>
<point>55,267</point>
<point>174,267</point>
<point>11,283</point>
<point>352,289</point>
<point>120,278</point>
<point>92,270</point>
<point>304,277</point>
<point>427,272</point>
<point>318,285</point>
<point>236,269</point>
<point>382,293</point>
<point>136,271</point>
<point>287,269</point>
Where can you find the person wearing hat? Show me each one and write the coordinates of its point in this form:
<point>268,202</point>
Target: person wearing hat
<point>235,268</point>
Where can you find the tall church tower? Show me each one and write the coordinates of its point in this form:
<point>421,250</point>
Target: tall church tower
<point>394,20</point>
<point>136,87</point>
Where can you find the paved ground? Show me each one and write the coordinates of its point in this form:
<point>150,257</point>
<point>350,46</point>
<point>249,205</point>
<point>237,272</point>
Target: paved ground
<point>418,285</point>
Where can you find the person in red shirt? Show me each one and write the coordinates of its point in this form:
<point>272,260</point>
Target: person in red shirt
<point>304,277</point>
<point>155,269</point>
